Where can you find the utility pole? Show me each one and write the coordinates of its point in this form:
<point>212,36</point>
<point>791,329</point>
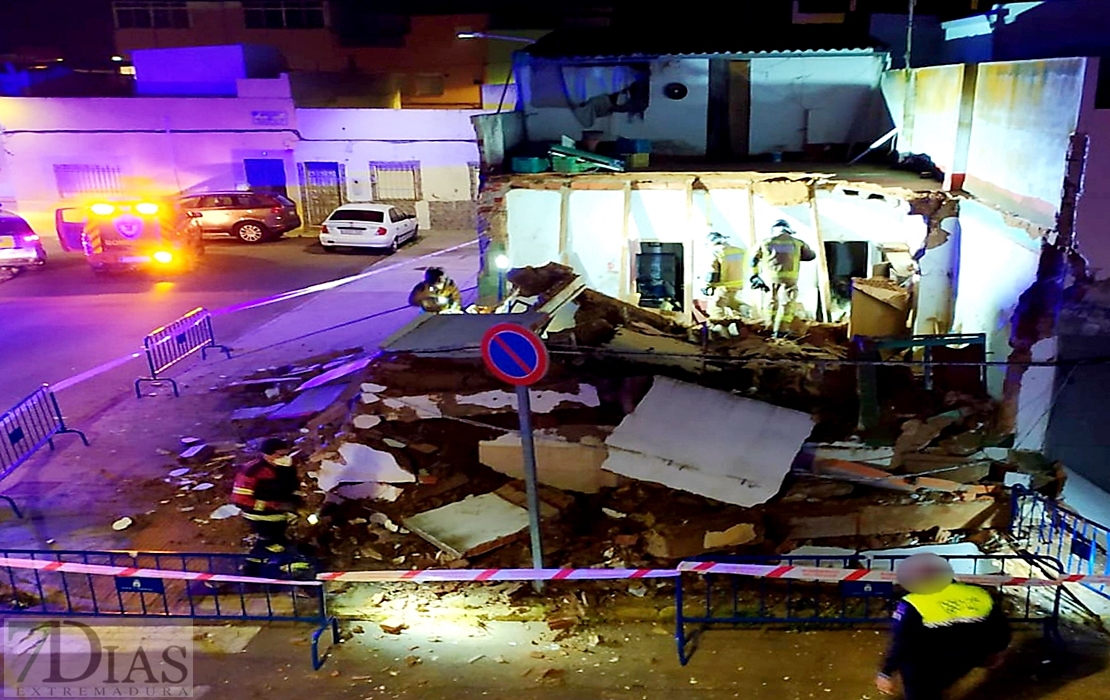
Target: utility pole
<point>909,33</point>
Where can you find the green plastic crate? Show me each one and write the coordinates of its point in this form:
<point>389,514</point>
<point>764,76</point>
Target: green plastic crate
<point>530,165</point>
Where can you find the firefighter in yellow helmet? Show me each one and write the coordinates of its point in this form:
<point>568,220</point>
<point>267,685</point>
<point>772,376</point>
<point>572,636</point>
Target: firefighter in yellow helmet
<point>784,254</point>
<point>942,630</point>
<point>725,284</point>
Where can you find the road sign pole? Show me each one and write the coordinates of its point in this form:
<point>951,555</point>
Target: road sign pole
<point>528,448</point>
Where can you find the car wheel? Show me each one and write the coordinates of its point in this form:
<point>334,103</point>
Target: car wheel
<point>415,233</point>
<point>392,246</point>
<point>250,232</point>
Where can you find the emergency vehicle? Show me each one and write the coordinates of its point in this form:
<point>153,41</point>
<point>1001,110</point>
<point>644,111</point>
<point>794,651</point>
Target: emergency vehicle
<point>154,235</point>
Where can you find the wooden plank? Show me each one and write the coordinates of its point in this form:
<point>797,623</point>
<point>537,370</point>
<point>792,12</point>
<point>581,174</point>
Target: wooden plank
<point>824,286</point>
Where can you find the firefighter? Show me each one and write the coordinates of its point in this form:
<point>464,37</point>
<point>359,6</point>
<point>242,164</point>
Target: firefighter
<point>942,630</point>
<point>725,284</point>
<point>784,253</point>
<point>438,293</point>
<point>265,491</point>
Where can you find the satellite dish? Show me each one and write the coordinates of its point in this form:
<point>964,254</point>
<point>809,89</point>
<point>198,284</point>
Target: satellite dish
<point>675,91</point>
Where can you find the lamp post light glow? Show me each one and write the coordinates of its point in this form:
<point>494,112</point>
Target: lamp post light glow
<point>495,37</point>
<point>502,263</point>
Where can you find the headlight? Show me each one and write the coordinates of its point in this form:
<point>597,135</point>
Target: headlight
<point>103,209</point>
<point>163,256</point>
<point>147,208</point>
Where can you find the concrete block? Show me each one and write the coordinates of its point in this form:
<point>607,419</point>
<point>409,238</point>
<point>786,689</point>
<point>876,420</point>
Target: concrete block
<point>572,466</point>
<point>471,526</point>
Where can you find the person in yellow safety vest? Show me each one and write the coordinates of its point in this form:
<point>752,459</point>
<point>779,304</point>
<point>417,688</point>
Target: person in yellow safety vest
<point>725,283</point>
<point>942,630</point>
<point>438,293</point>
<point>784,254</point>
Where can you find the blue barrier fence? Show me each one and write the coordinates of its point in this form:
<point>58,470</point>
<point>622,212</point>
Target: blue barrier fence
<point>708,600</point>
<point>26,428</point>
<point>25,591</point>
<point>1076,544</point>
<point>166,346</point>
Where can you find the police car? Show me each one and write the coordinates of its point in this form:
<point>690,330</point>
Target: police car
<point>150,234</point>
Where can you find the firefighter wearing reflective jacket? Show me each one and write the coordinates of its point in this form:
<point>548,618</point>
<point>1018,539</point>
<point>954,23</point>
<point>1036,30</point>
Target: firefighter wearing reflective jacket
<point>783,254</point>
<point>438,293</point>
<point>942,630</point>
<point>265,490</point>
<point>726,283</point>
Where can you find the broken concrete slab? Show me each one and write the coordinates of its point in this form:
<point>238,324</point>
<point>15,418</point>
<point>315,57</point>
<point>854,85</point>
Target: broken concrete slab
<point>708,442</point>
<point>879,308</point>
<point>370,490</point>
<point>878,456</point>
<point>824,522</point>
<point>309,403</point>
<point>472,526</point>
<point>343,370</point>
<point>693,538</point>
<point>918,434</point>
<point>571,466</point>
<point>252,412</point>
<point>452,335</point>
<point>360,464</point>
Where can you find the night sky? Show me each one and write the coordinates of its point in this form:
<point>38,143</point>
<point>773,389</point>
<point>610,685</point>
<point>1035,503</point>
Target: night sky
<point>80,30</point>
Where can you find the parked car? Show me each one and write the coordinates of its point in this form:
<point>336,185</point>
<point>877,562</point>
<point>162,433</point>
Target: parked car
<point>251,217</point>
<point>19,244</point>
<point>367,225</point>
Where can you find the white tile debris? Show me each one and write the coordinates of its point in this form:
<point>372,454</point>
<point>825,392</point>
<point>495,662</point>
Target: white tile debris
<point>360,464</point>
<point>542,401</point>
<point>708,442</point>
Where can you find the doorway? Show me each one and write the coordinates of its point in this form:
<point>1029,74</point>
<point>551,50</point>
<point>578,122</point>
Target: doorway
<point>266,175</point>
<point>322,186</point>
<point>729,114</point>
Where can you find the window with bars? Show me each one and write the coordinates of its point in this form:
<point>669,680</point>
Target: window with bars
<point>395,181</point>
<point>85,180</point>
<point>283,14</point>
<point>151,14</point>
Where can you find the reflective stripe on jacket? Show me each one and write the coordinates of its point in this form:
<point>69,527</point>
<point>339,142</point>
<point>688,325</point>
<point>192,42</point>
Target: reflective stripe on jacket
<point>957,604</point>
<point>784,256</point>
<point>729,263</point>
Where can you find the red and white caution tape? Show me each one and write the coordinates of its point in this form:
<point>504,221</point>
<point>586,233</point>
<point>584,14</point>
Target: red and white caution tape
<point>134,572</point>
<point>806,573</point>
<point>818,573</point>
<point>424,575</point>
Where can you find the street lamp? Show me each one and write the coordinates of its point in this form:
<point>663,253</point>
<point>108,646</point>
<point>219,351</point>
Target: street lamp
<point>502,263</point>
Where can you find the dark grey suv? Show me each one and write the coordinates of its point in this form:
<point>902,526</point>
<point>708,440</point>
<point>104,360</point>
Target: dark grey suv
<point>251,217</point>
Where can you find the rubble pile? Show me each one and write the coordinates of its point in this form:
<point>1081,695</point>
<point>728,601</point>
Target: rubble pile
<point>653,444</point>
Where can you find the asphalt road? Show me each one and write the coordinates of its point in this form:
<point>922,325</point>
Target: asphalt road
<point>62,319</point>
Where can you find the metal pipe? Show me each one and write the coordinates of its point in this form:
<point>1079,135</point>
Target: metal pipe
<point>528,447</point>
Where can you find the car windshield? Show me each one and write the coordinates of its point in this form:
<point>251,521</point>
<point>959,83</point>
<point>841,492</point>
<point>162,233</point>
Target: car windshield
<point>371,215</point>
<point>10,226</point>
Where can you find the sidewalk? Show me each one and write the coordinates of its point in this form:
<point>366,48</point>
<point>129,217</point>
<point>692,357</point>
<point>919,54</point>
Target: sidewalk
<point>71,496</point>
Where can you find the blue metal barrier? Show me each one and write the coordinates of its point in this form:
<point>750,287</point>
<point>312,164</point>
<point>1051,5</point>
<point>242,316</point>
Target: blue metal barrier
<point>24,429</point>
<point>26,591</point>
<point>1076,544</point>
<point>166,346</point>
<point>704,600</point>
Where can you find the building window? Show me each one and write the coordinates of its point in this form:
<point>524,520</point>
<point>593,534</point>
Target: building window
<point>283,14</point>
<point>150,14</point>
<point>396,181</point>
<point>86,180</point>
